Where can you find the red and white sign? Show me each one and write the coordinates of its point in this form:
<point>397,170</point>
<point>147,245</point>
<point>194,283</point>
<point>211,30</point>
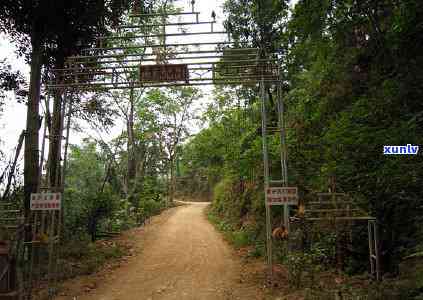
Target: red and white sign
<point>46,201</point>
<point>282,195</point>
<point>164,73</point>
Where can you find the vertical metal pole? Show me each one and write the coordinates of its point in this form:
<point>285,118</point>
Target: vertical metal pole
<point>65,156</point>
<point>283,154</point>
<point>59,187</point>
<point>376,249</point>
<point>50,266</point>
<point>266,179</point>
<point>60,137</point>
<point>282,135</point>
<point>31,262</point>
<point>370,238</point>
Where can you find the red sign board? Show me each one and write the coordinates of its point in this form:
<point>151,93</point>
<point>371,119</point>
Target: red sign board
<point>46,201</point>
<point>164,73</point>
<point>282,195</point>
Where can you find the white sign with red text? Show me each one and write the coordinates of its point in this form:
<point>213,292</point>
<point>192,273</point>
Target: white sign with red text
<point>46,201</point>
<point>282,196</point>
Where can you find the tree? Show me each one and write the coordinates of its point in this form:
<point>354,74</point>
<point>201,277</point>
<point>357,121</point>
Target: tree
<point>45,27</point>
<point>90,196</point>
<point>10,81</point>
<point>224,161</point>
<point>350,70</point>
<point>172,111</point>
<point>128,100</point>
<point>257,23</point>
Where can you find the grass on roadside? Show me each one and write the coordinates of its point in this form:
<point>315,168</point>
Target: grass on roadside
<point>239,238</point>
<point>84,258</point>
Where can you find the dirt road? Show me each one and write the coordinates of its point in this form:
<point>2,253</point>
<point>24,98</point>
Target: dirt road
<point>182,256</point>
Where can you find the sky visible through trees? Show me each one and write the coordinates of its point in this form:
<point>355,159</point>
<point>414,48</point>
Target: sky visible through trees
<point>11,125</point>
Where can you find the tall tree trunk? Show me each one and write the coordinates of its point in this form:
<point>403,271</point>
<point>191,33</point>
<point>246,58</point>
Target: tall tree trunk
<point>55,141</point>
<point>132,168</point>
<point>172,179</point>
<point>31,156</point>
<point>141,163</point>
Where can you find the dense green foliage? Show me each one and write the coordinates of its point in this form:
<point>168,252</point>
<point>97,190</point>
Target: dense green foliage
<point>353,70</point>
<point>352,74</point>
<point>94,203</point>
<point>58,27</point>
<point>101,196</point>
<point>10,80</point>
<point>224,161</point>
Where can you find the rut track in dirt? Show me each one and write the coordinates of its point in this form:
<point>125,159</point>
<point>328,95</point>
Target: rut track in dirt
<point>182,257</point>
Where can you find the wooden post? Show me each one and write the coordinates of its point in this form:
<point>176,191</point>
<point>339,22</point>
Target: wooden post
<point>34,218</point>
<point>12,168</point>
<point>4,267</point>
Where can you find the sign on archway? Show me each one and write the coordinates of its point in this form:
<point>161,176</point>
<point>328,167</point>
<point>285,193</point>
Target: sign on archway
<point>164,73</point>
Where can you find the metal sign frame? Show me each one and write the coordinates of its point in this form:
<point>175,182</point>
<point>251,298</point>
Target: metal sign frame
<point>339,208</point>
<point>109,67</point>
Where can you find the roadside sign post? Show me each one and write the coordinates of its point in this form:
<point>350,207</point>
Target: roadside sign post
<point>46,219</point>
<point>285,196</point>
<point>282,196</point>
<point>46,201</point>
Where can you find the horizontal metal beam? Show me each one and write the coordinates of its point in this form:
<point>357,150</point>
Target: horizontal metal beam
<point>222,78</point>
<point>331,194</point>
<point>14,211</point>
<point>157,46</point>
<point>107,88</point>
<point>168,59</point>
<point>161,15</point>
<point>11,219</point>
<point>170,84</point>
<point>329,202</point>
<point>241,62</point>
<point>166,24</point>
<point>159,35</point>
<point>192,75</point>
<point>71,58</point>
<point>341,219</point>
<point>132,71</point>
<point>201,66</point>
<point>331,210</point>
